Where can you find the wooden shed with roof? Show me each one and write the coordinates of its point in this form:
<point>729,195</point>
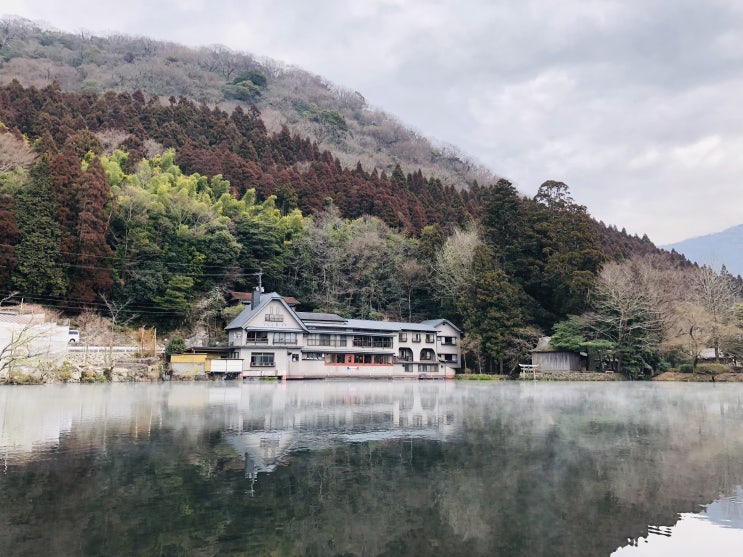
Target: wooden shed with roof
<point>548,358</point>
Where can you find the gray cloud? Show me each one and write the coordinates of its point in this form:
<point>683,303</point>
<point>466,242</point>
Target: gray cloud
<point>634,104</point>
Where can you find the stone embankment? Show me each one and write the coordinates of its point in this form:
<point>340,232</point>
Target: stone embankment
<point>727,377</point>
<point>570,376</point>
<point>91,367</point>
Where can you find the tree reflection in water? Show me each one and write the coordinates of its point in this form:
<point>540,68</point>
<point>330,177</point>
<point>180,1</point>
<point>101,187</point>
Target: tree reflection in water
<point>357,468</point>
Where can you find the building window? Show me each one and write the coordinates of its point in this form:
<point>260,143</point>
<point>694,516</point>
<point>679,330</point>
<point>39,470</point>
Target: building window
<point>428,355</point>
<point>274,316</point>
<point>256,337</point>
<point>403,337</point>
<point>430,338</point>
<point>405,355</point>
<point>427,368</point>
<point>285,338</point>
<point>362,341</point>
<point>407,368</point>
<point>335,358</point>
<point>416,337</point>
<point>359,359</point>
<point>321,339</point>
<point>313,356</point>
<point>448,358</point>
<point>448,341</point>
<point>261,359</point>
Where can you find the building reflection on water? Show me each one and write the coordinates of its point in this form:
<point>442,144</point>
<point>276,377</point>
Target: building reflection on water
<point>262,422</point>
<point>269,424</point>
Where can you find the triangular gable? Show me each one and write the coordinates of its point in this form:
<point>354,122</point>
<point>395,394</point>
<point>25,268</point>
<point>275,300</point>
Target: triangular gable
<point>439,323</point>
<point>273,314</point>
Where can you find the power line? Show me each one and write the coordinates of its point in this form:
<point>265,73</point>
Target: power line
<point>59,304</point>
<point>120,260</point>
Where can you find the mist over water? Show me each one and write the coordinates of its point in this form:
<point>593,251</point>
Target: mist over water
<point>371,468</point>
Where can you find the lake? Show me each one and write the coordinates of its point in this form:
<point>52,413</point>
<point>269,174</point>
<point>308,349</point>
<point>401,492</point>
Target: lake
<point>395,468</point>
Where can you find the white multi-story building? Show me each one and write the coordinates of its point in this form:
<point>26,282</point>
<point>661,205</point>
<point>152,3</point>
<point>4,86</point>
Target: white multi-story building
<point>272,339</point>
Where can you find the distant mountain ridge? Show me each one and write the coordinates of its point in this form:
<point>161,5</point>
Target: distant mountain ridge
<point>715,250</point>
<point>336,119</point>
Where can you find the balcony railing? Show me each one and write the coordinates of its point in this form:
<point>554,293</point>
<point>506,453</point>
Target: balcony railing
<point>322,342</point>
<point>365,342</point>
<point>256,340</point>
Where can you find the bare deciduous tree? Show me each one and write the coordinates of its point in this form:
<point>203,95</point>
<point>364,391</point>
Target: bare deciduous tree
<point>110,139</point>
<point>120,317</point>
<point>452,274</point>
<point>626,312</point>
<point>411,275</point>
<point>24,344</point>
<point>717,294</point>
<point>9,297</point>
<point>14,153</point>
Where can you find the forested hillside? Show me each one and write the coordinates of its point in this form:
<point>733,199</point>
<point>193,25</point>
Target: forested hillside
<point>332,117</point>
<point>150,210</point>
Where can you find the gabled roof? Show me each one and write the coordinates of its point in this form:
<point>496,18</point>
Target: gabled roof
<point>247,297</point>
<point>437,322</point>
<point>249,313</point>
<point>544,345</point>
<point>331,322</point>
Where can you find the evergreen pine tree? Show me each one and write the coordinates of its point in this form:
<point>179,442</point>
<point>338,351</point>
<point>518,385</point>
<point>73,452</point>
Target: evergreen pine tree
<point>38,273</point>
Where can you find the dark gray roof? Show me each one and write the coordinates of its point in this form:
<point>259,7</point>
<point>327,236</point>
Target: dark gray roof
<point>324,317</point>
<point>331,322</point>
<point>389,326</point>
<point>436,322</point>
<point>248,313</point>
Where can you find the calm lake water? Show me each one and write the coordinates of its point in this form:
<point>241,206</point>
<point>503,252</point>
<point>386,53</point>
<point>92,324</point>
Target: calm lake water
<point>372,468</point>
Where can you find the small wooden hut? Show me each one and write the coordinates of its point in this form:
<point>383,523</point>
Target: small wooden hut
<point>549,359</point>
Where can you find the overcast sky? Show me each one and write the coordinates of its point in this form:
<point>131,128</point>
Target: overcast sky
<point>636,104</point>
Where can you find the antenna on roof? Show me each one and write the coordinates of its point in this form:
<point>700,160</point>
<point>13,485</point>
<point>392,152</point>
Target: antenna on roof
<point>259,274</point>
<point>256,298</point>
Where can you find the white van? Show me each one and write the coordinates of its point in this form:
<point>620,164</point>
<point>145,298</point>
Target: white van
<point>73,336</point>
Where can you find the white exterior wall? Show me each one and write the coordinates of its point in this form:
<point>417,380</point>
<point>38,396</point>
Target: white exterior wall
<point>226,366</point>
<point>417,348</point>
<point>289,359</point>
<point>446,351</point>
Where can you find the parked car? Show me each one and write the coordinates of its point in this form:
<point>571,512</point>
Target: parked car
<point>73,336</point>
